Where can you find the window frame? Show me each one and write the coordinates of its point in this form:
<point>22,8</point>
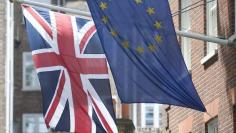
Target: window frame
<point>30,115</point>
<point>146,113</point>
<point>215,119</point>
<point>24,86</point>
<point>211,48</point>
<point>155,115</point>
<point>210,29</point>
<point>186,46</point>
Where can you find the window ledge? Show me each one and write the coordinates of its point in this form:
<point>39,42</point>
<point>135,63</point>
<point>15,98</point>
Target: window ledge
<point>209,56</point>
<point>31,89</point>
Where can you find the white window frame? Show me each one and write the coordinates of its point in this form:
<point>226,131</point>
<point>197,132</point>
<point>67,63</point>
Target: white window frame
<point>187,51</point>
<point>30,115</point>
<point>146,119</point>
<point>25,87</point>
<point>155,115</point>
<point>186,42</point>
<point>211,124</point>
<point>211,48</point>
<point>61,2</point>
<point>134,114</point>
<point>44,1</point>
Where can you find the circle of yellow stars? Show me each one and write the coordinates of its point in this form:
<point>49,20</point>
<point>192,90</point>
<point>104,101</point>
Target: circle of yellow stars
<point>126,44</point>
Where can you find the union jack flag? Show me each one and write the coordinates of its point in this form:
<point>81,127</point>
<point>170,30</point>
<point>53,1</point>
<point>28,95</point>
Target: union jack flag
<point>72,70</point>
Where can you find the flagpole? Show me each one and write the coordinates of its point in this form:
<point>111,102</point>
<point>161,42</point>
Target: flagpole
<point>231,41</point>
<point>9,70</point>
<point>52,7</point>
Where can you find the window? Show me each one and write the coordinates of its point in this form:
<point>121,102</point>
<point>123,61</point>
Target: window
<point>59,2</point>
<point>30,78</point>
<point>43,1</point>
<point>34,123</point>
<point>186,26</point>
<point>149,116</point>
<point>212,29</point>
<point>212,126</point>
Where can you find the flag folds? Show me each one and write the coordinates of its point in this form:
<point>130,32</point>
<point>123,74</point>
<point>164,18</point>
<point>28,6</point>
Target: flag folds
<point>72,70</point>
<point>140,43</point>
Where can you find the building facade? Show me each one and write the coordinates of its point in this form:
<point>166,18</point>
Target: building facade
<point>2,60</point>
<point>212,67</point>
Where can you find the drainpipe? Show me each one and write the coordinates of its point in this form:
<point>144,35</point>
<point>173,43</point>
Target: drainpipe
<point>9,66</point>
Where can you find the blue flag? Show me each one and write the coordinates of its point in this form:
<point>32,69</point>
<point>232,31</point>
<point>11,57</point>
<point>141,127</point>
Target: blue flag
<point>140,43</point>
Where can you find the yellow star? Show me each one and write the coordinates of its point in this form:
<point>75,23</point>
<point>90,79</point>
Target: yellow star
<point>152,47</point>
<point>150,10</point>
<point>158,38</point>
<point>113,33</point>
<point>138,1</point>
<point>158,25</point>
<point>105,19</point>
<point>103,5</point>
<point>140,49</point>
<point>125,44</point>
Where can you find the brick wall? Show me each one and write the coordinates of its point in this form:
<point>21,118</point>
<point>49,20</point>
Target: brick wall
<point>24,101</point>
<point>213,80</point>
<point>2,64</point>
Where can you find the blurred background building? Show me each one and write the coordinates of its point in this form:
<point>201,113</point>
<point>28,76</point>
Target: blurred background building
<point>2,81</point>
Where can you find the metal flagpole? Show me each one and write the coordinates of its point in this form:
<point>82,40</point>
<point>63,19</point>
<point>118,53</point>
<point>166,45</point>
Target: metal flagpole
<point>58,8</point>
<point>9,62</point>
<point>231,41</point>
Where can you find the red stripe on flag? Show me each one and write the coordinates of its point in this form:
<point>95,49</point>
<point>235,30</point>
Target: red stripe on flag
<point>65,41</point>
<point>85,38</point>
<point>47,60</point>
<point>92,65</point>
<point>76,65</point>
<point>65,36</point>
<point>83,123</point>
<point>41,21</point>
<point>102,118</point>
<point>56,100</point>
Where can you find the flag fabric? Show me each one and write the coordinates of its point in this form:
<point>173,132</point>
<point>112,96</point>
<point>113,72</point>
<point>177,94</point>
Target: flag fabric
<point>72,71</point>
<point>141,46</point>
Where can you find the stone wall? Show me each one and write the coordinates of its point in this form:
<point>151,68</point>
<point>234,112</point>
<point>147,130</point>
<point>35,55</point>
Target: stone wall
<point>2,64</point>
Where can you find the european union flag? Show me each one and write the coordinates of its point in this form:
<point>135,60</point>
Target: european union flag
<point>140,42</point>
